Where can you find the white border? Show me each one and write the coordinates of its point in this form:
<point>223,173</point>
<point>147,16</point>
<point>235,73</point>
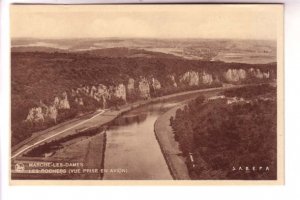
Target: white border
<point>292,132</point>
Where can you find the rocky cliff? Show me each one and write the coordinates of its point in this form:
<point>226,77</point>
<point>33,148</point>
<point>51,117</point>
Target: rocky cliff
<point>235,75</point>
<point>103,93</point>
<point>190,78</point>
<point>130,86</point>
<point>43,112</point>
<point>144,88</point>
<point>173,81</point>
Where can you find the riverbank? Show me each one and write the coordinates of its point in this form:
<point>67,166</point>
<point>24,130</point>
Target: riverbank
<point>166,138</point>
<point>169,146</point>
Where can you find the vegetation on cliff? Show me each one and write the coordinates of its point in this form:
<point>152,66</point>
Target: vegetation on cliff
<point>42,76</point>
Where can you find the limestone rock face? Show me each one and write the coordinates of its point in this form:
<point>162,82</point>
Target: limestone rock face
<point>101,94</point>
<point>235,75</point>
<point>39,114</point>
<point>120,91</point>
<point>35,115</point>
<point>130,85</point>
<point>191,78</point>
<point>43,112</point>
<point>102,90</point>
<point>79,101</point>
<point>139,86</point>
<point>52,113</point>
<point>242,73</point>
<point>259,74</point>
<point>93,91</point>
<point>64,103</point>
<point>156,84</point>
<point>207,78</point>
<point>172,78</point>
<point>144,88</point>
<point>56,102</point>
<point>266,74</point>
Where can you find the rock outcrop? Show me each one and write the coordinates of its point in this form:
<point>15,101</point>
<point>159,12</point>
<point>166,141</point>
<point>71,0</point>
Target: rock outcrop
<point>53,113</point>
<point>190,78</point>
<point>235,75</point>
<point>100,94</point>
<point>130,85</point>
<point>79,101</point>
<point>64,103</point>
<point>103,93</point>
<point>93,91</point>
<point>43,112</point>
<point>144,88</point>
<point>35,115</point>
<point>156,84</point>
<point>207,78</point>
<point>56,102</point>
<point>257,73</point>
<point>120,91</point>
<point>172,79</point>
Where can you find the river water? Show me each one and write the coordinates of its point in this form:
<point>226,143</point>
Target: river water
<point>132,150</point>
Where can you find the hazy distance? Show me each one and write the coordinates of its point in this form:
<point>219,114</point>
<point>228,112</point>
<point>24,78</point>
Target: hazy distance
<point>148,21</point>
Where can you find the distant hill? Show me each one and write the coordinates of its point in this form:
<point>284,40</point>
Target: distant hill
<point>226,50</point>
<point>126,52</point>
<point>37,49</point>
<point>106,52</point>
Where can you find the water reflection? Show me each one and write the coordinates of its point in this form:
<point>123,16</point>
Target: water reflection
<point>129,119</point>
<point>132,145</point>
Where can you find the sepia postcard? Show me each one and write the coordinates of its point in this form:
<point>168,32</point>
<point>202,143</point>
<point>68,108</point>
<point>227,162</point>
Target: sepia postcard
<point>171,94</point>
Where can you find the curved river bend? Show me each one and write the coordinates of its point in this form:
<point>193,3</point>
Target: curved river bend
<point>132,150</point>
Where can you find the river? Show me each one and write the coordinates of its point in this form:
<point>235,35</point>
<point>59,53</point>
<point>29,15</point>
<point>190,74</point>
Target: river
<point>132,150</point>
<point>131,145</point>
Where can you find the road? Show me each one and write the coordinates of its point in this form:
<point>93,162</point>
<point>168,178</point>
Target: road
<point>22,150</point>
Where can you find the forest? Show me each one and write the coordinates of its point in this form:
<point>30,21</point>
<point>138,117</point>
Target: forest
<point>224,138</point>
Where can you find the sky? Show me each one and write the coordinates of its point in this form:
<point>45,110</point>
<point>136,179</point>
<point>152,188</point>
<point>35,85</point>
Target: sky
<point>147,21</point>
